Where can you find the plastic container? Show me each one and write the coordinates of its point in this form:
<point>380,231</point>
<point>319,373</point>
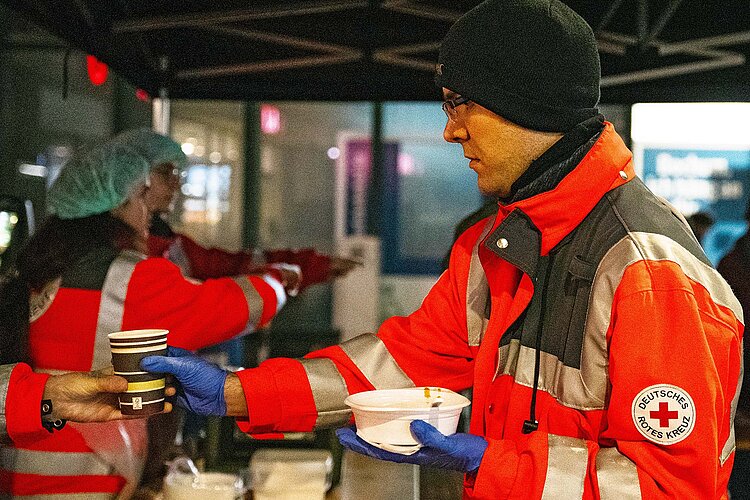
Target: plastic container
<point>383,416</point>
<point>206,486</point>
<point>288,474</point>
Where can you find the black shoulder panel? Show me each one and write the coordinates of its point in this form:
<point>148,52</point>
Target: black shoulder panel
<point>90,272</point>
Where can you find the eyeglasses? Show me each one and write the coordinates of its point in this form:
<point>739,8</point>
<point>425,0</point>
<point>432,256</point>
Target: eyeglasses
<point>166,170</point>
<point>450,105</point>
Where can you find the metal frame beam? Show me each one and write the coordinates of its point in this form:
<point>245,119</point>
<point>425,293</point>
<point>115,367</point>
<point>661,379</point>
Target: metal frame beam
<point>219,17</point>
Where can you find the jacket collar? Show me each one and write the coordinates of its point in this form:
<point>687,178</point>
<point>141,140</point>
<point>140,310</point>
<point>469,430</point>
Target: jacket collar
<point>531,227</point>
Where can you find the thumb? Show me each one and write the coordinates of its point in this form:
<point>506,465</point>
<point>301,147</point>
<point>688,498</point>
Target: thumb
<point>112,383</point>
<point>427,434</point>
<point>159,364</point>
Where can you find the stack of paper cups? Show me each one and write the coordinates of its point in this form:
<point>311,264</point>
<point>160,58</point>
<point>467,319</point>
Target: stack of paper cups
<point>145,394</point>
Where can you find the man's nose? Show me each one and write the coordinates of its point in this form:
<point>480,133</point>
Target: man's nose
<point>455,131</point>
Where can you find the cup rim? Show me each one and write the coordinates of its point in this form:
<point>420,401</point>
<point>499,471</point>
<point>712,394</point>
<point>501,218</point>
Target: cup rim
<point>137,334</point>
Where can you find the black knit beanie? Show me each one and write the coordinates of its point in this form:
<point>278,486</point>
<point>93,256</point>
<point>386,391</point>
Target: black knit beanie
<point>533,62</point>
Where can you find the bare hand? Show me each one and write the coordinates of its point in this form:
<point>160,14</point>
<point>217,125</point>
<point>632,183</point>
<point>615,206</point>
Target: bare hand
<point>88,397</point>
<point>341,266</point>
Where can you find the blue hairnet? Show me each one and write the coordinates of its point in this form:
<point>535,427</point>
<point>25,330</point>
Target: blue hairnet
<point>96,181</point>
<point>156,148</point>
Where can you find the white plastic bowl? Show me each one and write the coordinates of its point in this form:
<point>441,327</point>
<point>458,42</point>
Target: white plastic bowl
<point>383,416</point>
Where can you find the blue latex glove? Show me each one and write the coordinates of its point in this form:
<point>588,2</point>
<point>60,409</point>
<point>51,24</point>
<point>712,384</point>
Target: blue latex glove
<point>461,452</point>
<point>201,384</point>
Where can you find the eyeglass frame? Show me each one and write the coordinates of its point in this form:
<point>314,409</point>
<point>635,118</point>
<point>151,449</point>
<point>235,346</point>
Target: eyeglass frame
<point>449,106</point>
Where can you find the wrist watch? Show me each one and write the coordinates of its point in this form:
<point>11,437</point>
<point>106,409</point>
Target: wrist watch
<point>47,421</point>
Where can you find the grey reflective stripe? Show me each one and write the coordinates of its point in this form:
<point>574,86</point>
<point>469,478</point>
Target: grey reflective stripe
<point>562,382</point>
<point>112,305</point>
<point>253,299</point>
<point>477,292</point>
<point>5,371</point>
<point>41,463</point>
<point>329,391</point>
<point>635,247</point>
<point>68,496</point>
<point>373,359</point>
<point>729,446</point>
<point>177,255</point>
<point>617,476</point>
<point>567,462</point>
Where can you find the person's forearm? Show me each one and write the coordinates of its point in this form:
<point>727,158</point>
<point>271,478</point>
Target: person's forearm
<point>234,397</point>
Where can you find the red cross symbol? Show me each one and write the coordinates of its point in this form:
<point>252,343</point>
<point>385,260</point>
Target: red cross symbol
<point>664,415</point>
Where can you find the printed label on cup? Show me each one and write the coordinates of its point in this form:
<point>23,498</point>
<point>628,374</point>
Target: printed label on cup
<point>137,403</point>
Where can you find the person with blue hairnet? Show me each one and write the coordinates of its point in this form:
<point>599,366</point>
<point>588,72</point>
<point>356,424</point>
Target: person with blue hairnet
<point>84,274</point>
<point>300,268</point>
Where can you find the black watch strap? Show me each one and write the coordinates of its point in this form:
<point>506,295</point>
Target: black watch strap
<point>47,422</point>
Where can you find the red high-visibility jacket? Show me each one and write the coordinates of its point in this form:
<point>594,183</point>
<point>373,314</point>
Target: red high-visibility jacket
<point>21,393</point>
<point>103,293</point>
<point>638,402</point>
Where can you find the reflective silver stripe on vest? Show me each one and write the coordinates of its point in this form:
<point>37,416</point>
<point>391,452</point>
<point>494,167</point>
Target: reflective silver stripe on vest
<point>617,476</point>
<point>635,247</point>
<point>253,299</point>
<point>729,446</point>
<point>562,382</point>
<point>49,463</point>
<point>373,359</point>
<point>112,305</point>
<point>477,292</point>
<point>5,371</point>
<point>68,496</point>
<point>176,254</point>
<point>329,391</point>
<point>567,461</point>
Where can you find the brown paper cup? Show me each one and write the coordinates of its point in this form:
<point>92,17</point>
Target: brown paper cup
<point>145,394</point>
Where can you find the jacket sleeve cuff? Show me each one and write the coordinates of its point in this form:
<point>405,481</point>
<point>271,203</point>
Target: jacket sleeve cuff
<point>278,398</point>
<point>23,404</point>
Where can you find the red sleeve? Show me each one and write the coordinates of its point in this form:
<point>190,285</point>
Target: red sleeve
<point>429,346</point>
<point>206,263</point>
<point>688,342</point>
<point>197,314</point>
<point>316,268</point>
<point>23,404</point>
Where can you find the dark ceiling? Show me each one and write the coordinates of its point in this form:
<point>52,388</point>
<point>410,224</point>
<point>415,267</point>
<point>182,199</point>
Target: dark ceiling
<point>652,50</point>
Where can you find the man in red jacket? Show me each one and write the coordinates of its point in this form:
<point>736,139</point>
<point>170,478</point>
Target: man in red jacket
<point>603,349</point>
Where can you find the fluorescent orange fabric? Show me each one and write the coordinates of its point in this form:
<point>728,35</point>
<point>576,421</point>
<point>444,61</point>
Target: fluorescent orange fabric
<point>664,328</point>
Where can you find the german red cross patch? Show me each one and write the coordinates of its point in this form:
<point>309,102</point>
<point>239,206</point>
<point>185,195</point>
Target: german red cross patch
<point>664,414</point>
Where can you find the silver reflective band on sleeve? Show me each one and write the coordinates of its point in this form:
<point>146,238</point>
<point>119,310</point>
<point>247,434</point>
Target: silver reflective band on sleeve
<point>278,289</point>
<point>567,461</point>
<point>617,476</point>
<point>329,391</point>
<point>48,463</point>
<point>253,299</point>
<point>5,371</point>
<point>112,305</point>
<point>373,359</point>
<point>68,496</point>
<point>635,247</point>
<point>729,446</point>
